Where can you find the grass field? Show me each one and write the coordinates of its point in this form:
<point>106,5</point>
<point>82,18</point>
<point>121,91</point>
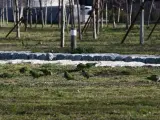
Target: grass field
<point>109,94</point>
<point>48,40</point>
<point>41,92</point>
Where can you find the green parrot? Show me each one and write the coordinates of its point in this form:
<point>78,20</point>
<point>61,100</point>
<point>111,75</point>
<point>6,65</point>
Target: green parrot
<point>85,74</point>
<point>36,74</point>
<point>68,76</point>
<point>155,78</point>
<point>23,70</point>
<point>46,72</point>
<point>89,65</point>
<point>81,66</point>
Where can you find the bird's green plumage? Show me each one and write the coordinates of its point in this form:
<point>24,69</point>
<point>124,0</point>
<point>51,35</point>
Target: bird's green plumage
<point>68,76</point>
<point>82,66</point>
<point>85,74</point>
<point>36,74</point>
<point>23,70</point>
<point>89,65</point>
<point>46,72</point>
<point>155,78</point>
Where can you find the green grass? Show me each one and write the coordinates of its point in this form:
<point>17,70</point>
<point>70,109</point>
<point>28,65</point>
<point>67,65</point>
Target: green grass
<point>48,40</point>
<point>111,93</point>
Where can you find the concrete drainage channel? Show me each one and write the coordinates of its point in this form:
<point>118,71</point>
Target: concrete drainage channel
<point>107,59</point>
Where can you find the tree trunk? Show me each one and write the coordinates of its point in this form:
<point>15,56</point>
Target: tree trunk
<point>150,12</point>
<point>113,15</point>
<point>62,23</point>
<point>42,16</point>
<point>30,14</point>
<point>142,26</point>
<point>17,19</point>
<point>27,15</point>
<point>51,18</point>
<point>79,20</point>
<point>21,13</point>
<point>94,23</point>
<point>101,13</point>
<point>14,13</point>
<point>1,18</point>
<point>98,16</point>
<point>7,13</point>
<point>83,12</point>
<point>127,16</point>
<point>46,14</point>
<point>59,13</point>
<point>130,13</point>
<point>119,13</point>
<point>36,19</point>
<point>106,7</point>
<point>3,12</point>
<point>73,27</point>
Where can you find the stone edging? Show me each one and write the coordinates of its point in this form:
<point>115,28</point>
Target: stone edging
<point>26,55</point>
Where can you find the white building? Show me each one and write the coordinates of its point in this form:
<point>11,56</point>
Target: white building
<point>47,3</point>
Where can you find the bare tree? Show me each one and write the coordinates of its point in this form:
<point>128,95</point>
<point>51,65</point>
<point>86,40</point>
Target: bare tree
<point>42,15</point>
<point>94,22</point>
<point>59,13</point>
<point>30,13</point>
<point>142,25</point>
<point>130,12</point>
<point>113,14</point>
<point>62,23</point>
<point>119,12</point>
<point>17,18</point>
<point>150,12</point>
<point>51,18</point>
<point>46,12</point>
<point>97,16</point>
<point>101,11</point>
<point>106,11</point>
<point>127,15</point>
<point>79,19</point>
<point>6,6</point>
<point>73,26</point>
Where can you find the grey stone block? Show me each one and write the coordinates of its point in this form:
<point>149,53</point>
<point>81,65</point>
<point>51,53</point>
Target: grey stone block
<point>127,59</point>
<point>32,56</point>
<point>138,59</point>
<point>98,58</point>
<point>41,56</point>
<point>60,57</point>
<point>150,60</point>
<point>1,56</point>
<point>87,58</point>
<point>77,57</point>
<point>119,58</point>
<point>6,56</point>
<point>20,56</point>
<point>69,57</point>
<point>157,60</point>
